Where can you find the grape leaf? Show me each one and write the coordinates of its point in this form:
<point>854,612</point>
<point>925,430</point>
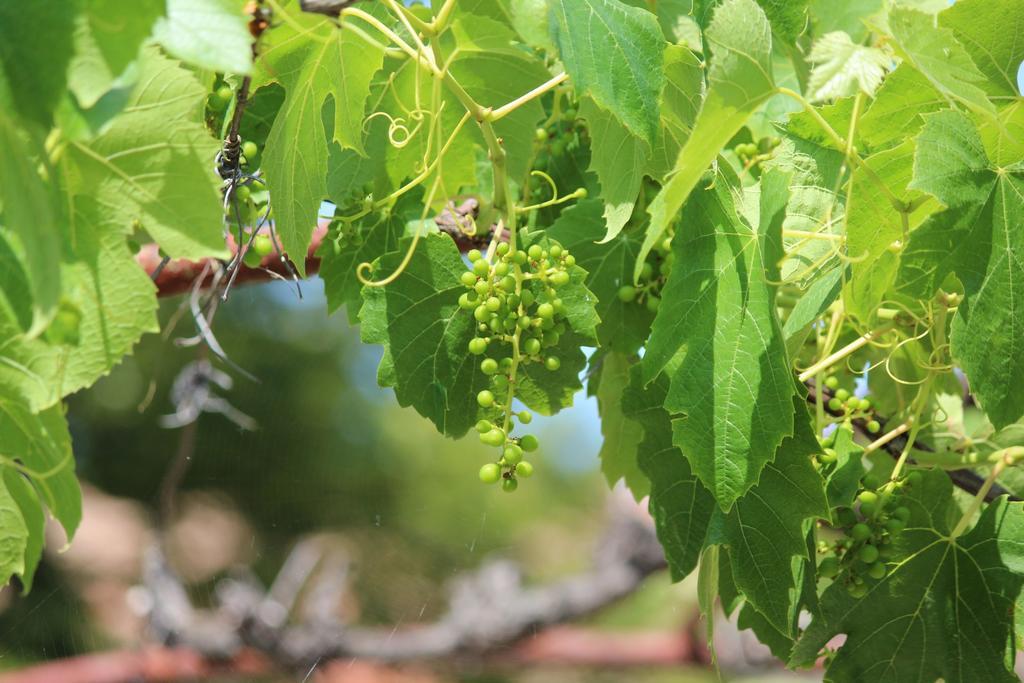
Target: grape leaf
<point>895,113</point>
<point>624,325</point>
<point>734,384</point>
<point>814,301</point>
<point>13,535</point>
<point>977,238</point>
<point>35,48</point>
<point>842,67</point>
<point>680,102</point>
<point>766,532</point>
<point>295,157</point>
<point>740,81</point>
<point>618,157</point>
<point>622,436</point>
<point>935,52</point>
<point>843,480</point>
<point>990,31</point>
<point>615,54</point>
<point>153,163</point>
<point>945,610</point>
<point>23,493</point>
<point>679,503</point>
<point>31,211</point>
<point>211,34</point>
<point>107,40</point>
<point>425,334</point>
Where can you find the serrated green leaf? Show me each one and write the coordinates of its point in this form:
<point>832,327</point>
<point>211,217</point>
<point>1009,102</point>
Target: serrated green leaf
<point>766,533</point>
<point>740,81</point>
<point>843,68</point>
<point>622,436</point>
<point>13,535</point>
<point>734,385</point>
<point>614,53</point>
<point>976,238</point>
<point>778,642</point>
<point>425,334</point>
<point>31,211</point>
<point>935,52</point>
<point>295,156</point>
<point>874,224</point>
<point>35,48</point>
<point>210,34</point>
<point>107,40</point>
<point>895,113</point>
<point>990,31</point>
<point>624,325</point>
<point>28,502</point>
<point>154,163</point>
<point>680,102</point>
<point>680,505</point>
<point>947,605</point>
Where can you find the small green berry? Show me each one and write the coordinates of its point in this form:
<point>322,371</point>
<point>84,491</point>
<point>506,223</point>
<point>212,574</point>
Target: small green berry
<point>873,426</point>
<point>494,437</point>
<point>842,394</point>
<point>627,293</point>
<point>509,485</point>
<point>474,255</point>
<point>902,513</point>
<point>868,554</point>
<point>546,311</point>
<point>653,303</point>
<point>489,366</point>
<point>477,345</point>
<point>560,278</point>
<point>534,252</point>
<point>250,149</point>
<point>834,404</point>
<point>832,382</point>
<point>484,426</point>
<point>877,570</point>
<point>529,443</point>
<point>552,363</point>
<point>485,398</point>
<point>468,279</point>
<point>482,268</point>
<point>869,497</point>
<point>860,532</point>
<point>524,470</point>
<point>531,346</point>
<point>525,417</point>
<point>829,568</point>
<point>513,454</point>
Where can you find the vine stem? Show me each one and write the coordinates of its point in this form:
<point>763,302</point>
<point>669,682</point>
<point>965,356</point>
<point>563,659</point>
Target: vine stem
<point>842,353</point>
<point>1004,458</point>
<point>887,437</point>
<point>506,109</point>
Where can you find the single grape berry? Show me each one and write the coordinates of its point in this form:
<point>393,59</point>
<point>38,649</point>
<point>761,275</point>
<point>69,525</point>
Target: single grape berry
<point>525,417</point>
<point>873,426</point>
<point>263,245</point>
<point>529,443</point>
<point>524,470</point>
<point>653,303</point>
<point>482,268</point>
<point>869,497</point>
<point>540,135</point>
<point>560,278</point>
<point>865,404</point>
<point>468,279</point>
<point>860,532</point>
<point>534,252</point>
<point>494,437</point>
<point>895,525</point>
<point>477,345</point>
<point>832,382</point>
<point>546,311</point>
<point>490,473</point>
<point>627,293</point>
<point>868,554</point>
<point>509,485</point>
<point>877,570</point>
<point>531,346</point>
<point>489,366</point>
<point>829,568</point>
<point>902,513</point>
<point>552,363</point>
<point>842,394</point>
<point>513,454</point>
<point>827,456</point>
<point>485,399</point>
<point>857,590</point>
<point>484,426</point>
<point>834,404</point>
<point>250,149</point>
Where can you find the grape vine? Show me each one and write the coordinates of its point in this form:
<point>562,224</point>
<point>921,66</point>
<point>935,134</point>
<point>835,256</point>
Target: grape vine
<point>780,242</point>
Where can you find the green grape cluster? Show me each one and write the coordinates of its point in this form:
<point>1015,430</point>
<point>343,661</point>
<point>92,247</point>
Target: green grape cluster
<point>843,401</point>
<point>752,154</point>
<point>655,271</point>
<point>513,296</point>
<point>870,529</point>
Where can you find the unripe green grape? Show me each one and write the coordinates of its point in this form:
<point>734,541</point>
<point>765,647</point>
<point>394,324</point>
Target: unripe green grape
<point>528,298</point>
<point>490,473</point>
<point>494,437</point>
<point>481,313</point>
<point>474,255</point>
<point>871,480</point>
<point>653,303</point>
<point>555,251</point>
<point>869,497</point>
<point>895,525</point>
<point>560,278</point>
<point>552,363</point>
<point>468,279</point>
<point>263,245</point>
<point>842,394</point>
<point>250,149</point>
<point>834,404</point>
<point>832,382</point>
<point>877,570</point>
<point>550,338</point>
<point>524,322</point>
<point>540,135</point>
<point>503,248</point>
<point>525,416</point>
<point>524,470</point>
<point>857,591</point>
<point>485,398</point>
<point>513,454</point>
<point>865,404</point>
<point>500,382</point>
<point>489,366</point>
<point>546,311</point>
<point>531,346</point>
<point>569,261</point>
<point>501,270</point>
<point>508,283</point>
<point>519,258</point>
<point>509,485</point>
<point>534,252</point>
<point>493,303</point>
<point>627,293</point>
<point>873,426</point>
<point>868,554</point>
<point>829,568</point>
<point>902,513</point>
<point>529,443</point>
<point>547,323</point>
<point>505,363</point>
<point>242,193</point>
<point>646,271</point>
<point>860,532</point>
<point>482,268</point>
<point>465,302</point>
<point>477,345</point>
<point>484,426</point>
